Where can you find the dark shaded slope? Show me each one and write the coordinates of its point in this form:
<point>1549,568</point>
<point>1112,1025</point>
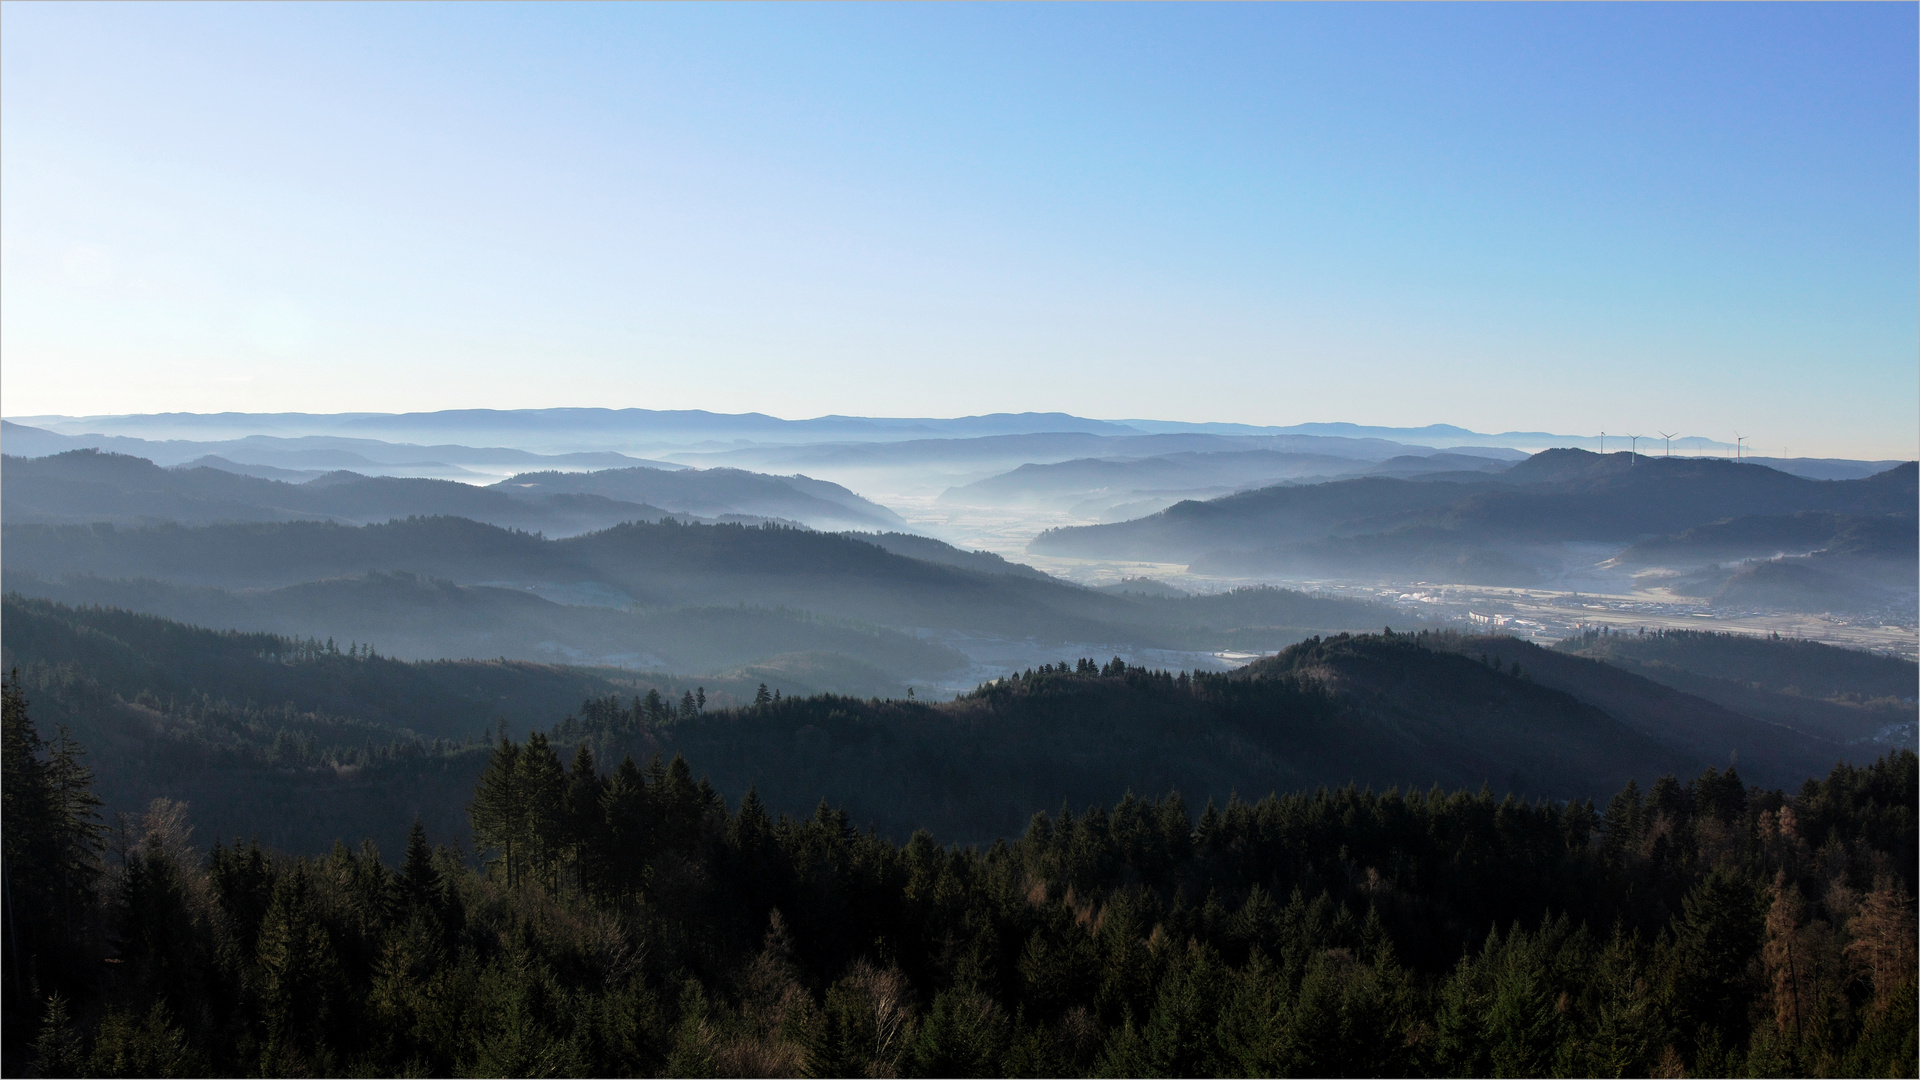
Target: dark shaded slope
<point>284,739</point>
<point>416,618</point>
<point>1844,695</point>
<point>128,654</point>
<point>1365,709</point>
<point>194,714</point>
<point>1777,664</point>
<point>1707,733</point>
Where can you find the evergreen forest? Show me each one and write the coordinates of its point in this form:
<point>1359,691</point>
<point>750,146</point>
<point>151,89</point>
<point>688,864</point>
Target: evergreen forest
<point>621,918</point>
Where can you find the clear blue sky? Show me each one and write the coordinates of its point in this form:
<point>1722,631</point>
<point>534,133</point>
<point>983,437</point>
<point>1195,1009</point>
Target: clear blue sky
<point>1559,217</point>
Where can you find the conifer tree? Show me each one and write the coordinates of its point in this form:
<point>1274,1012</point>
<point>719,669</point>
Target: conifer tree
<point>499,809</point>
<point>298,972</point>
<point>543,792</point>
<point>586,820</point>
<point>1713,948</point>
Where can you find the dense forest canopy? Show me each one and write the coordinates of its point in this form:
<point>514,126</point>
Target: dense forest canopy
<point>623,919</point>
<point>304,741</point>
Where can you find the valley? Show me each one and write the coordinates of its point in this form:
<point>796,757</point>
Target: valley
<point>960,540</point>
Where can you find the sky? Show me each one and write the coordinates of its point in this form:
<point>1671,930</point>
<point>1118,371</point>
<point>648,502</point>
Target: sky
<point>1566,217</point>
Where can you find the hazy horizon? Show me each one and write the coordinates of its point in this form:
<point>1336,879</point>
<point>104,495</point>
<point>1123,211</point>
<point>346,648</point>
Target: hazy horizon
<point>1558,219</point>
<point>185,424</point>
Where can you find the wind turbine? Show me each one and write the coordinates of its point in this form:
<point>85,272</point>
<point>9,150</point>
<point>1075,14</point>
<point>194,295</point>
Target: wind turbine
<point>1739,451</point>
<point>1633,448</point>
<point>1667,437</point>
<point>1603,442</point>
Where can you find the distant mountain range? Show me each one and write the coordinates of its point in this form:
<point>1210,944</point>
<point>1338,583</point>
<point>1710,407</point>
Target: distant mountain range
<point>1487,528</point>
<point>307,456</point>
<point>576,430</point>
<point>586,567</point>
<point>89,486</point>
<point>1195,471</point>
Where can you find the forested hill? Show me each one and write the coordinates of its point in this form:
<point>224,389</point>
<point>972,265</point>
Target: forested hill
<point>86,486</point>
<point>1699,725</point>
<point>1379,710</point>
<point>1557,495</point>
<point>139,657</point>
<point>298,741</point>
<point>666,565</point>
<point>210,718</point>
<point>712,492</point>
<point>418,618</point>
<point>1841,694</point>
<point>629,920</point>
<point>975,768</point>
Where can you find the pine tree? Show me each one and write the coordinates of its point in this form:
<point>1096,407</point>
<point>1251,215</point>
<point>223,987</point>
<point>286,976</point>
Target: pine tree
<point>30,841</point>
<point>1714,942</point>
<point>243,885</point>
<point>630,829</point>
<point>498,811</point>
<point>298,973</point>
<point>59,1050</point>
<point>586,821</point>
<point>419,883</point>
<point>965,1034</point>
<point>543,792</point>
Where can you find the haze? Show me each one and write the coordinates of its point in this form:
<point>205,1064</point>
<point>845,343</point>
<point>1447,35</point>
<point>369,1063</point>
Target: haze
<point>1547,218</point>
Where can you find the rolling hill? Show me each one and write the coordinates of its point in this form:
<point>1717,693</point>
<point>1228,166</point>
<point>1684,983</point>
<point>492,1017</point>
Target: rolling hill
<point>86,486</point>
<point>415,618</point>
<point>1375,525</point>
<point>658,567</point>
<point>171,709</point>
<point>1196,470</point>
<point>1844,695</point>
<point>713,492</point>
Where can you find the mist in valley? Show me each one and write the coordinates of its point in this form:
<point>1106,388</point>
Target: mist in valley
<point>1417,569</point>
